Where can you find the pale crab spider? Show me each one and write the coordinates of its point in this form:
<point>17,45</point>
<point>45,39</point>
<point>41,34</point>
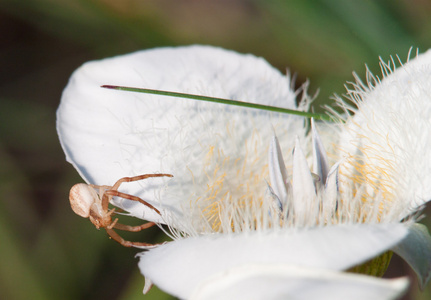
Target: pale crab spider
<point>91,201</point>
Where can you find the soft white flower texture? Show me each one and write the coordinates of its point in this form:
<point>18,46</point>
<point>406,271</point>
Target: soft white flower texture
<point>218,152</point>
<point>181,266</point>
<point>284,281</point>
<point>390,134</point>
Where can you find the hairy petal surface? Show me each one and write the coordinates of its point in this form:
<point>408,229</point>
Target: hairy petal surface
<point>389,134</point>
<point>179,267</point>
<point>285,281</point>
<point>109,134</point>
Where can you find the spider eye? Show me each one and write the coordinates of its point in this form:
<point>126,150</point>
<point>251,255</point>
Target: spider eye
<point>81,197</point>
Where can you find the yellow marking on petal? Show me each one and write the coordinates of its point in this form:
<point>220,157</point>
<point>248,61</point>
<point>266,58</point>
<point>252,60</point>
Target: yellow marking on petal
<point>191,173</point>
<point>209,155</point>
<point>234,185</point>
<point>374,169</point>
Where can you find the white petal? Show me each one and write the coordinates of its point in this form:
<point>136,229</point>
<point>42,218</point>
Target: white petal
<point>148,285</point>
<point>415,249</point>
<point>179,267</point>
<point>391,128</point>
<point>282,281</point>
<point>109,134</point>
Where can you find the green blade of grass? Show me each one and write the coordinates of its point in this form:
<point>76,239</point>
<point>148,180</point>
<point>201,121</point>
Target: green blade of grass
<point>221,101</point>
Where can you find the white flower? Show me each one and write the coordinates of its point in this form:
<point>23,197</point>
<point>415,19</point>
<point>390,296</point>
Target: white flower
<point>244,222</point>
<point>386,147</point>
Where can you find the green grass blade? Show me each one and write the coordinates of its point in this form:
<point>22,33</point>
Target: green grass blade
<point>222,101</point>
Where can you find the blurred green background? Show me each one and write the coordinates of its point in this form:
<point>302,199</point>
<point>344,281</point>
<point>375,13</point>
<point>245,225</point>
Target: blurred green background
<point>46,251</point>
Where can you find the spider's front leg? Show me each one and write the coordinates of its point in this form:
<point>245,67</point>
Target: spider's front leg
<point>115,193</point>
<point>133,228</point>
<point>111,191</point>
<point>136,178</point>
<point>116,237</point>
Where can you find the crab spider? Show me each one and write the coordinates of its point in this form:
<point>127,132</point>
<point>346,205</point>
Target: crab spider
<point>91,201</point>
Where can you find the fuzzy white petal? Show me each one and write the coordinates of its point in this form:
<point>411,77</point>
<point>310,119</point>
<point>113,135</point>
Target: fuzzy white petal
<point>391,131</point>
<point>179,267</point>
<point>283,281</point>
<point>415,249</point>
<point>109,134</point>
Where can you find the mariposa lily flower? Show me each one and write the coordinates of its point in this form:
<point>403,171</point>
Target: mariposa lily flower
<point>246,214</point>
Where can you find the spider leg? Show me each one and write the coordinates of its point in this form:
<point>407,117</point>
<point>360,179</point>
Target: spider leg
<point>112,225</point>
<point>116,237</point>
<point>136,178</point>
<point>116,193</point>
<point>133,228</point>
<point>107,192</point>
<point>106,187</point>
